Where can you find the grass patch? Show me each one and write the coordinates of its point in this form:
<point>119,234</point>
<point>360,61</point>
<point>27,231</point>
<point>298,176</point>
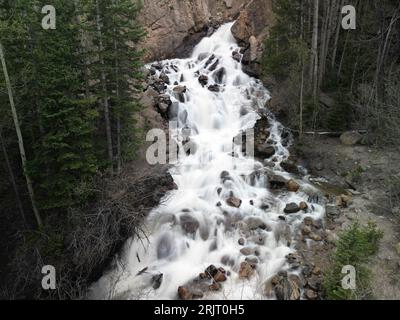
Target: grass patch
<point>354,247</point>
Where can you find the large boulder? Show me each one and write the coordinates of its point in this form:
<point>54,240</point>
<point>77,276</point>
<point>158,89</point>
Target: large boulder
<point>246,270</point>
<point>351,138</point>
<point>189,223</point>
<point>284,287</point>
<point>250,30</point>
<point>291,208</point>
<point>254,223</point>
<point>242,29</point>
<point>234,202</point>
<point>293,186</point>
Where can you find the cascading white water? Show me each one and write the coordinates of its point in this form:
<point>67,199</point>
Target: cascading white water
<point>170,254</point>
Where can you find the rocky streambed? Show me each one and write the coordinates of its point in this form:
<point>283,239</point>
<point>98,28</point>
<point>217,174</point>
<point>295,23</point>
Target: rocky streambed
<point>237,227</point>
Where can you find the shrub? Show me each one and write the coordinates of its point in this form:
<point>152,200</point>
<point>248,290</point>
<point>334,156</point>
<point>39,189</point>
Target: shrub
<point>354,247</point>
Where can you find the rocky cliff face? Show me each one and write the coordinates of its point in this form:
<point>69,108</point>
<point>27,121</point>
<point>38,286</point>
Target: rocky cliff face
<point>251,29</point>
<point>175,26</point>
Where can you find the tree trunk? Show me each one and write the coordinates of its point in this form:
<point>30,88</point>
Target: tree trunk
<point>338,27</point>
<point>343,55</point>
<point>117,92</point>
<point>84,48</point>
<point>315,50</point>
<point>106,106</point>
<point>20,139</point>
<point>301,100</point>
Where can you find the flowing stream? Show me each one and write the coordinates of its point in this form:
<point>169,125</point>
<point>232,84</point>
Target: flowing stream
<point>195,227</point>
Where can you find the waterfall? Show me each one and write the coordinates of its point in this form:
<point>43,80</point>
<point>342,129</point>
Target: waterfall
<point>195,226</point>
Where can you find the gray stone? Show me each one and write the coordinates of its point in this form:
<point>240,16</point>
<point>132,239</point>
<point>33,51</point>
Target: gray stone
<point>291,208</point>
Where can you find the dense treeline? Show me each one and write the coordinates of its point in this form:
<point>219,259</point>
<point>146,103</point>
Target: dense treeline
<point>337,79</point>
<point>73,89</point>
<point>67,105</point>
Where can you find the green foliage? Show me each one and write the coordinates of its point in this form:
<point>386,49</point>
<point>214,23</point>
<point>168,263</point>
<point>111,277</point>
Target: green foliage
<point>354,247</point>
<point>339,116</point>
<point>55,75</point>
<point>283,49</point>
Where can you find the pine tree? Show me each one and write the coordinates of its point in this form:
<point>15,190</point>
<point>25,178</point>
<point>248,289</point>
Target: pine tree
<point>115,33</point>
<point>56,116</point>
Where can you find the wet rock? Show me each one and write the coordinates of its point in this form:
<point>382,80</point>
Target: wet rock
<point>228,261</point>
<point>343,201</point>
<point>332,211</point>
<point>264,150</point>
<point>158,85</point>
<point>314,283</point>
<point>163,102</point>
<point>214,88</point>
<point>236,56</point>
<point>242,226</point>
<point>214,66</point>
<point>308,221</point>
<point>293,186</point>
<point>211,271</point>
<point>157,281</point>
<point>209,60</point>
<point>258,239</point>
<point>220,276</point>
<point>253,260</point>
<point>184,293</point>
<point>220,75</point>
<point>241,241</point>
<point>291,208</point>
<point>180,89</point>
<point>234,202</point>
<point>284,287</point>
<point>256,223</point>
<point>293,258</point>
<point>311,295</point>
<point>247,251</point>
<point>306,230</point>
<point>315,237</point>
<point>351,138</point>
<point>203,79</point>
<point>189,224</point>
<point>290,166</point>
<point>225,176</point>
<point>215,286</point>
<point>164,78</point>
<point>277,182</point>
<point>303,206</point>
<point>246,270</point>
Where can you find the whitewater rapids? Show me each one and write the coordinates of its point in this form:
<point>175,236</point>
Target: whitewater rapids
<point>170,254</point>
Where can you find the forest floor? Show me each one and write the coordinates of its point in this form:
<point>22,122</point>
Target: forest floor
<point>372,172</point>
